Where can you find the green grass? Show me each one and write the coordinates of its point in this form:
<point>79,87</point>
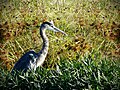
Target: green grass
<point>88,72</point>
<point>89,25</point>
<point>93,28</point>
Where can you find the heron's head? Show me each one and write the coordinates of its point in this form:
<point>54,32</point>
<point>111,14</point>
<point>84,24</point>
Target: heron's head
<point>50,26</point>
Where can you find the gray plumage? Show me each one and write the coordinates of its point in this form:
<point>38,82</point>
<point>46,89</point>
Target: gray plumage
<point>32,60</point>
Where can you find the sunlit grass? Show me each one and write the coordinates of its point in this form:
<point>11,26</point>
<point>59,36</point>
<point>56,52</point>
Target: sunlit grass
<point>90,24</point>
<point>88,58</point>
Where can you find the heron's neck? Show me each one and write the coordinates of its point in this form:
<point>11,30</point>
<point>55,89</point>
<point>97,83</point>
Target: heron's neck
<point>43,52</point>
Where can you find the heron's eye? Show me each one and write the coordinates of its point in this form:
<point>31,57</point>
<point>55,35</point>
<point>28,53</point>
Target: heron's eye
<point>51,25</point>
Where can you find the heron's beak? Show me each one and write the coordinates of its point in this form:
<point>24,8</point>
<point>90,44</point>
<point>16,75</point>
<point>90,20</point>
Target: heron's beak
<point>58,30</point>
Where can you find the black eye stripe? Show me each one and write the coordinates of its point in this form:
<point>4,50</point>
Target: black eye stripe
<point>48,23</point>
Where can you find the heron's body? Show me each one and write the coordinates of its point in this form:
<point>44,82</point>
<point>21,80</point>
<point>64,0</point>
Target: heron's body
<point>25,61</point>
<point>32,60</point>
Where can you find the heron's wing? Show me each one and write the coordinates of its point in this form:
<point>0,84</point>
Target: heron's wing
<point>25,61</point>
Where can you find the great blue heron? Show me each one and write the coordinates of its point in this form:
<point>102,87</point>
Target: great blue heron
<point>31,60</point>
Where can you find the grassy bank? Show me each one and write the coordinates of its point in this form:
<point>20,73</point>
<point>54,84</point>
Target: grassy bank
<point>88,57</point>
<point>90,24</point>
